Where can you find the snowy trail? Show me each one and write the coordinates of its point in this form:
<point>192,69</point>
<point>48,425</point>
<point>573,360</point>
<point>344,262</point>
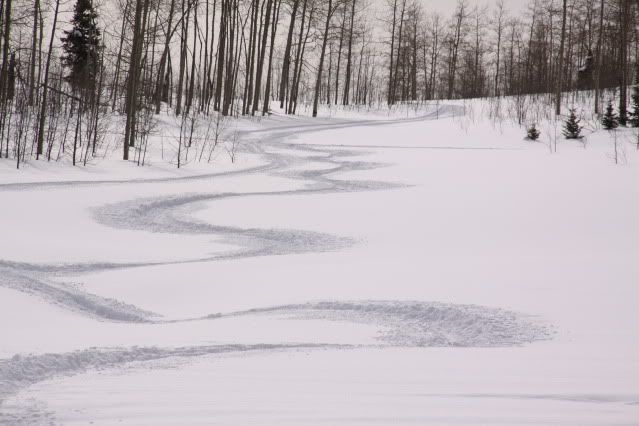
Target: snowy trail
<point>398,324</point>
<point>272,133</point>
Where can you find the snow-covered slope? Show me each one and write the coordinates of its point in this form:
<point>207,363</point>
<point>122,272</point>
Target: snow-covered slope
<point>432,269</point>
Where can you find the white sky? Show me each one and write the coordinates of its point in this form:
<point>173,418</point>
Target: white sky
<point>446,7</point>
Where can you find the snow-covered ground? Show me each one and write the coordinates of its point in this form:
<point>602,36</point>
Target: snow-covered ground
<point>433,268</point>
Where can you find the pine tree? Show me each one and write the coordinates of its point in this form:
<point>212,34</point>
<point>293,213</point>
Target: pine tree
<point>572,128</point>
<point>634,115</point>
<point>610,119</point>
<point>532,133</point>
<point>81,48</point>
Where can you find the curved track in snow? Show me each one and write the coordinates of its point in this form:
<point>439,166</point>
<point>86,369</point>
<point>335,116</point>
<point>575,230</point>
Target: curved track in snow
<point>169,214</point>
<point>418,324</point>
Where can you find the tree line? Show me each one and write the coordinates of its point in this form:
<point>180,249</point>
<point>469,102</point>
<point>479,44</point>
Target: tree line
<point>68,73</point>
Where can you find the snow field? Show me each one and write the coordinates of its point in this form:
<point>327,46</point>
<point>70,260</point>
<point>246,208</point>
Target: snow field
<point>428,271</point>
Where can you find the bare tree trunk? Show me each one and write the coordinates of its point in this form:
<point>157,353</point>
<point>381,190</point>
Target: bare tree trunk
<point>287,55</point>
<point>4,71</point>
<point>349,60</point>
<point>229,80</point>
<point>267,95</point>
<point>183,54</point>
<point>500,20</point>
<point>329,76</point>
<point>163,60</point>
<point>358,94</point>
<point>298,63</point>
<point>45,90</point>
<point>434,55</point>
<point>318,84</point>
<point>392,52</point>
<point>598,59</point>
<point>34,45</point>
<point>221,54</point>
<point>209,82</point>
<point>134,68</point>
<point>77,129</point>
<point>399,48</point>
<point>253,31</point>
<point>452,68</point>
<point>561,60</point>
<point>414,60</point>
<point>339,54</point>
<point>118,62</point>
<point>189,98</point>
<point>624,10</point>
<point>260,65</point>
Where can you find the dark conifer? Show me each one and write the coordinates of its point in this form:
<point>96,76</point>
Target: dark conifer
<point>572,128</point>
<point>610,119</point>
<point>532,133</point>
<point>81,48</point>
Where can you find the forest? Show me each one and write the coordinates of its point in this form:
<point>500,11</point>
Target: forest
<point>76,73</point>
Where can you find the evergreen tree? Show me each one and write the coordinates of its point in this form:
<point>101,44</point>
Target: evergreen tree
<point>572,128</point>
<point>81,48</point>
<point>634,115</point>
<point>610,119</point>
<point>532,133</point>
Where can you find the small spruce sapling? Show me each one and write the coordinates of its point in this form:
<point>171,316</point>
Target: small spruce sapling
<point>572,126</point>
<point>532,133</point>
<point>610,120</point>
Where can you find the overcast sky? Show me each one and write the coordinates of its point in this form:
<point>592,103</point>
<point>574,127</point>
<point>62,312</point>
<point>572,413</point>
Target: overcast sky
<point>446,7</point>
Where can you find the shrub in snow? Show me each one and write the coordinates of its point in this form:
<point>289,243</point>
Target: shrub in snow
<point>610,119</point>
<point>572,128</point>
<point>532,134</point>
